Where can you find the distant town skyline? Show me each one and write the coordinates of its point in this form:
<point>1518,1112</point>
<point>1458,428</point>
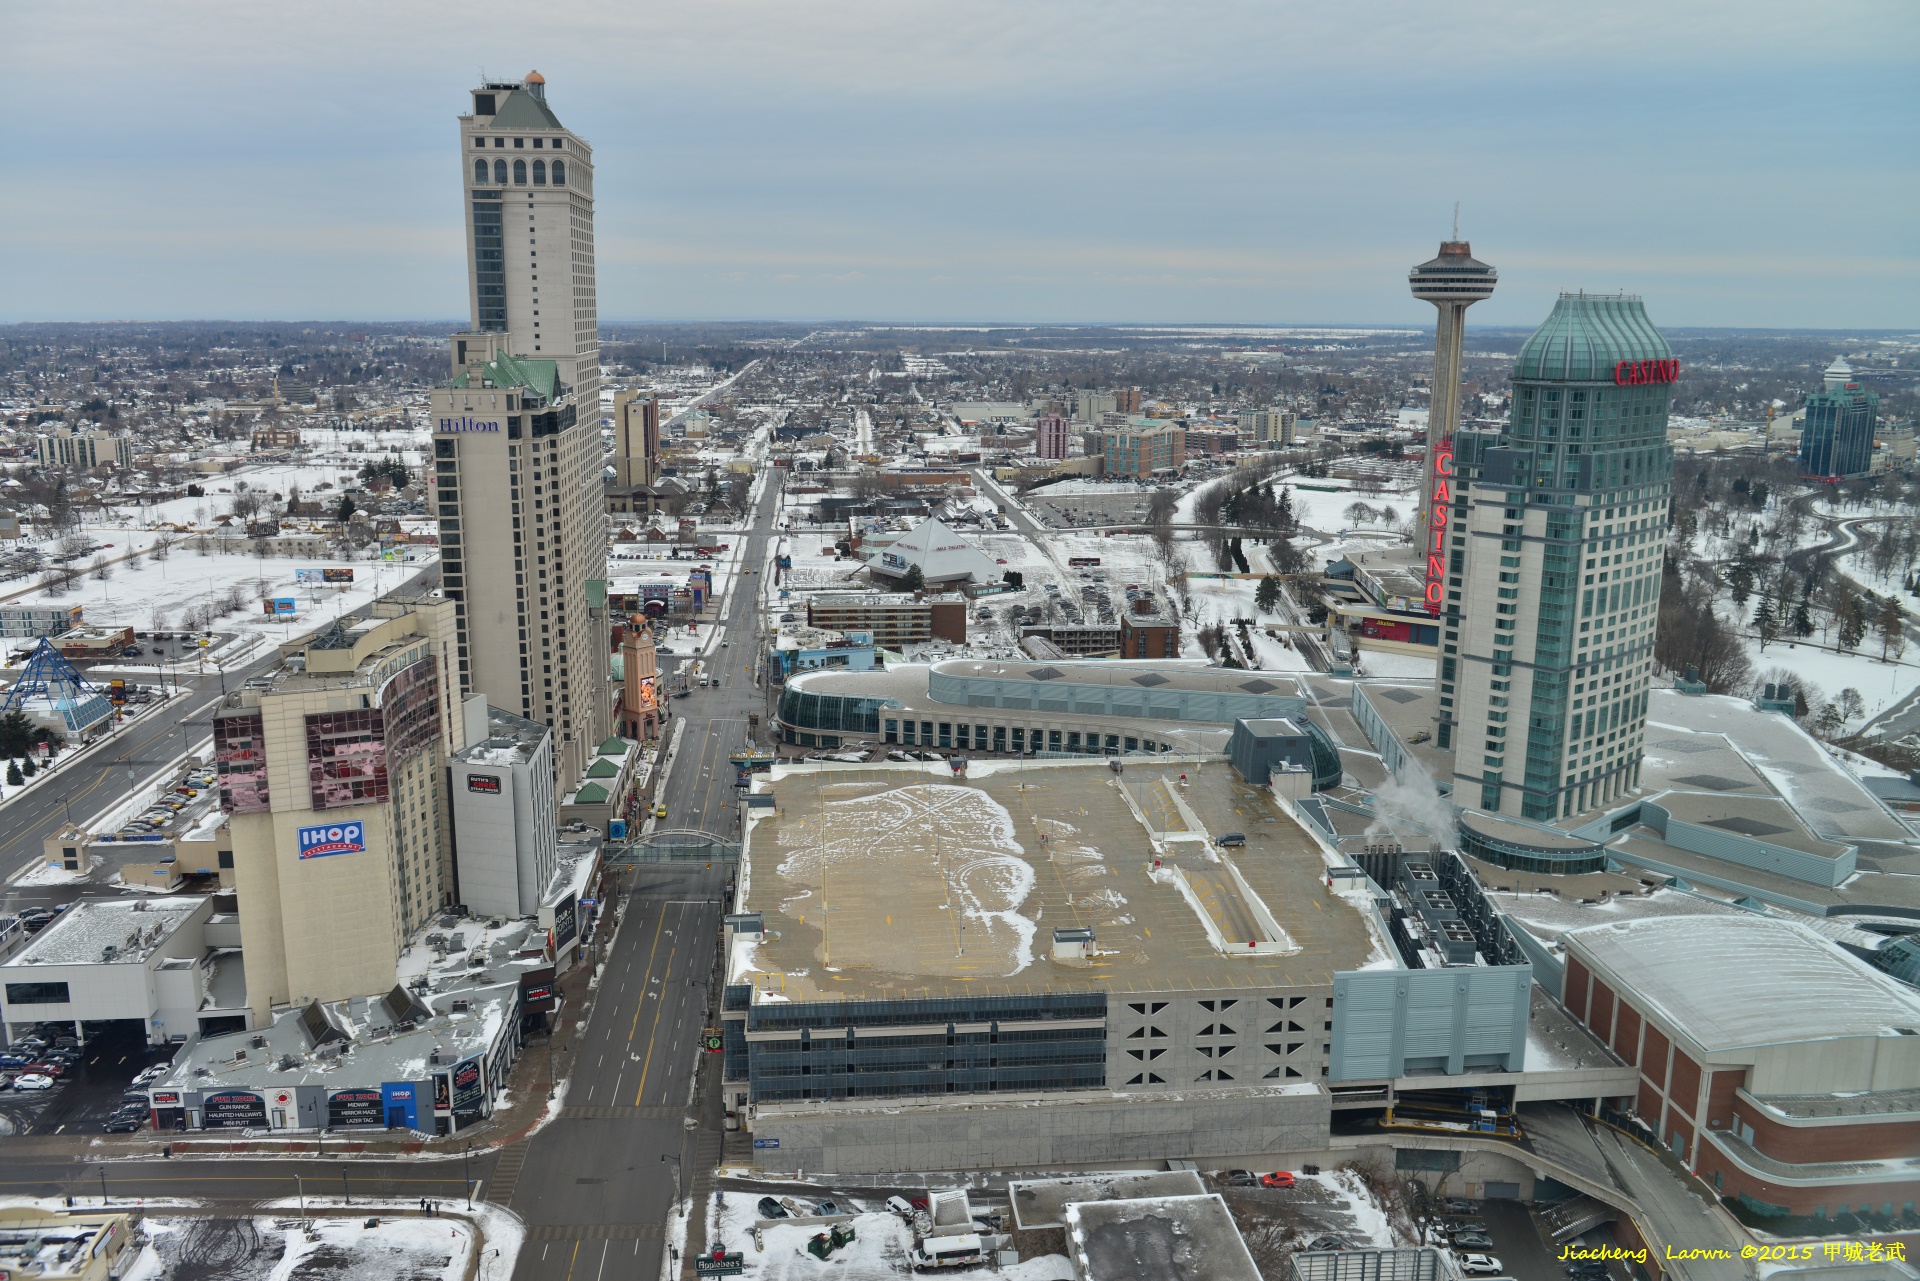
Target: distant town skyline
<point>989,162</point>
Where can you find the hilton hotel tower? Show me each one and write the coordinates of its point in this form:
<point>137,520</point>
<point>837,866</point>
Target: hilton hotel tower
<point>516,441</point>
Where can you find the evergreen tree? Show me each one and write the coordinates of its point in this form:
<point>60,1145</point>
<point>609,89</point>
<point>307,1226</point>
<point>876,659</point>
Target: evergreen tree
<point>14,777</point>
<point>345,513</point>
<point>1802,620</point>
<point>1853,623</point>
<point>1266,598</point>
<point>28,768</point>
<point>1765,625</point>
<point>913,580</point>
<point>16,733</point>
<point>1888,626</point>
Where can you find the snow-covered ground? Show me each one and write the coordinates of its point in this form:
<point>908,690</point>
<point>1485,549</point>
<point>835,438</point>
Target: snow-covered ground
<point>878,1250</point>
<point>160,595</point>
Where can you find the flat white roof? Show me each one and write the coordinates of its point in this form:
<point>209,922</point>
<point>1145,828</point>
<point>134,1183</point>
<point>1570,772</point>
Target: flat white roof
<point>1731,982</point>
<point>132,927</point>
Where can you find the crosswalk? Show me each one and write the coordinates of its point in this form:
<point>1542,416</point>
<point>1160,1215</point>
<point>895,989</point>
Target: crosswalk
<point>651,1112</point>
<point>595,1232</point>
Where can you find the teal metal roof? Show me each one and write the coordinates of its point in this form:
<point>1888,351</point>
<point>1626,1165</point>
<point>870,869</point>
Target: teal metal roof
<point>522,110</point>
<point>1586,336</point>
<point>542,377</point>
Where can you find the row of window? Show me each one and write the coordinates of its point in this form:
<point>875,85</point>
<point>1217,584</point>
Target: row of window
<point>558,144</point>
<point>497,175</point>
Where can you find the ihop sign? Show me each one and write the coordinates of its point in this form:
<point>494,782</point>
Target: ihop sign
<point>332,838</point>
<point>1637,373</point>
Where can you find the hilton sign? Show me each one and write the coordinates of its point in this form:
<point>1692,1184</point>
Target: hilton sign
<point>467,424</point>
<point>1635,373</point>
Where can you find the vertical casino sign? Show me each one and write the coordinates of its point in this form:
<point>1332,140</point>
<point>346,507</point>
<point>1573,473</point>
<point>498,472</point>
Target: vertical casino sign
<point>1440,489</point>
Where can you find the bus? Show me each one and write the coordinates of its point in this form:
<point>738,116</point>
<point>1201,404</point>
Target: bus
<point>1083,562</point>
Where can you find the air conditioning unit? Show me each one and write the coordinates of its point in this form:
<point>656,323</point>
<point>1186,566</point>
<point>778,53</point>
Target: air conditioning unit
<point>462,1006</point>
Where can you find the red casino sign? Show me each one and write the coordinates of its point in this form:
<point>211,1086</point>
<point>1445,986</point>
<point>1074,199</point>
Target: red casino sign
<point>1437,509</point>
<point>1636,373</point>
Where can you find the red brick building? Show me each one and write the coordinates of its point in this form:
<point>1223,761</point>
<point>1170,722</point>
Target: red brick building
<point>1778,1067</point>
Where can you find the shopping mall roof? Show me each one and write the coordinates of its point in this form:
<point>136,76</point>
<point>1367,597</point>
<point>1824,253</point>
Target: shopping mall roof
<point>904,881</point>
<point>1733,982</point>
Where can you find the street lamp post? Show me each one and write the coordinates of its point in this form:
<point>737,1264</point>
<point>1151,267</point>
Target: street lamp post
<point>675,1158</point>
<point>302,1188</point>
<point>466,1158</point>
<point>344,1194</point>
<point>103,1186</point>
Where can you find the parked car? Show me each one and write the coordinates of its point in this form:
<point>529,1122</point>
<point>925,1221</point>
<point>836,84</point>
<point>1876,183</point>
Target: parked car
<point>123,1124</point>
<point>36,918</point>
<point>1456,1205</point>
<point>15,1060</point>
<point>1328,1243</point>
<point>771,1209</point>
<point>1586,1269</point>
<point>48,1067</point>
<point>1456,1226</point>
<point>1240,1179</point>
<point>826,1207</point>
<point>1480,1265</point>
<point>901,1206</point>
<point>1278,1179</point>
<point>1231,839</point>
<point>1472,1241</point>
<point>33,1081</point>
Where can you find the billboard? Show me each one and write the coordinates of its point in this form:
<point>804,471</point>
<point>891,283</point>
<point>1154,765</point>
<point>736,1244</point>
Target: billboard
<point>485,783</point>
<point>468,1090</point>
<point>233,1110</point>
<point>356,1107</point>
<point>332,838</point>
<point>323,575</point>
<point>566,925</point>
<point>279,606</point>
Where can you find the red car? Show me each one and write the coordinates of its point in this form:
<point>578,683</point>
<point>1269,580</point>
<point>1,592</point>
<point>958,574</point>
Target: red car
<point>1278,1179</point>
<point>55,1070</point>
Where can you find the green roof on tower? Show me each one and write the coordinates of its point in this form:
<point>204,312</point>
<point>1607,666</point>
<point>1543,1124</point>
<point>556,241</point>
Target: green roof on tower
<point>1586,336</point>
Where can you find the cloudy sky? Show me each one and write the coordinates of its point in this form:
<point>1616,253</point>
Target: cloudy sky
<point>1749,162</point>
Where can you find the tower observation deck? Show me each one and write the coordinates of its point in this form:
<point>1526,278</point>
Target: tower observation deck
<point>1452,282</point>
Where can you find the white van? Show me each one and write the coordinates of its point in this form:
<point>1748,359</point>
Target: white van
<point>933,1253</point>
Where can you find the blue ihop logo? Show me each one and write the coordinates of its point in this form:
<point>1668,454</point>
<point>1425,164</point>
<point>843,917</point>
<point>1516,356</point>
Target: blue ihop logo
<point>335,838</point>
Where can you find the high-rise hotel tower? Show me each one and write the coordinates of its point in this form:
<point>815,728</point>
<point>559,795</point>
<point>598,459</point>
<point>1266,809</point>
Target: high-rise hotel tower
<point>516,441</point>
<point>1553,567</point>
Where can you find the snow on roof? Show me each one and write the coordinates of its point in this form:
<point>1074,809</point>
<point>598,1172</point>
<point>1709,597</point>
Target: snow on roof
<point>1731,982</point>
<point>942,555</point>
<point>132,927</point>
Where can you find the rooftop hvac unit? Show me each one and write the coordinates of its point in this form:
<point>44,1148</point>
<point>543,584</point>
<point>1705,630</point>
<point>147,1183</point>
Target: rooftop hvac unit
<point>257,1041</point>
<point>462,1005</point>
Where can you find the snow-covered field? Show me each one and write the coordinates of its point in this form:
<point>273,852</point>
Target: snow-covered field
<point>159,595</point>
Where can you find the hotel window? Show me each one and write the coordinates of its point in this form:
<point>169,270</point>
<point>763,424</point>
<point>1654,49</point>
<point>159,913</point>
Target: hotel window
<point>559,170</point>
<point>520,173</point>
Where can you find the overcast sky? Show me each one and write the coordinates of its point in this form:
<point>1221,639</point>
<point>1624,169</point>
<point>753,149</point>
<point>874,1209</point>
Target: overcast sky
<point>1272,161</point>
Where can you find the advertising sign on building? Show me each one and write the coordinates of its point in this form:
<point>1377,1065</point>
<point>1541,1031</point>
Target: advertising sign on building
<point>356,1107</point>
<point>485,783</point>
<point>468,1087</point>
<point>566,925</point>
<point>332,838</point>
<point>234,1110</point>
